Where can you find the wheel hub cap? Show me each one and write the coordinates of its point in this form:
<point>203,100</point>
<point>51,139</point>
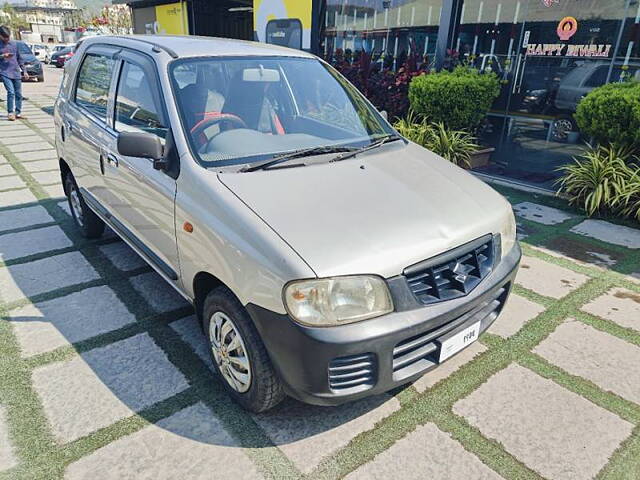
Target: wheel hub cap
<point>229,352</point>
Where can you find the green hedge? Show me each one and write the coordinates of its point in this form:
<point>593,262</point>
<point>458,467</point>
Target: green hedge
<point>458,99</point>
<point>611,114</point>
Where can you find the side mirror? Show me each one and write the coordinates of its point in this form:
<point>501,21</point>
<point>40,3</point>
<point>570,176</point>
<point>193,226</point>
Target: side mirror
<point>384,114</point>
<point>143,145</point>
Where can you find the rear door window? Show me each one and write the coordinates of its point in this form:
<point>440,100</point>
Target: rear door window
<point>92,87</point>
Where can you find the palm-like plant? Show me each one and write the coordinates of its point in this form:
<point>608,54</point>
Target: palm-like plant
<point>457,146</point>
<point>595,181</point>
<point>627,193</point>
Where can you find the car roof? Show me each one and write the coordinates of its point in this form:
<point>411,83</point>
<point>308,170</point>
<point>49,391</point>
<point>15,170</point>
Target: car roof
<point>195,46</point>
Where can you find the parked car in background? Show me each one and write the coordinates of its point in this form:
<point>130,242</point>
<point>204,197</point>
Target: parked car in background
<point>32,65</point>
<point>326,256</point>
<point>39,50</point>
<point>53,49</point>
<point>60,57</point>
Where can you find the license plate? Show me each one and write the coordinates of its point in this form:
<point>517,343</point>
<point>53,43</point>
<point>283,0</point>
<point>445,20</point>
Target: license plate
<point>460,340</point>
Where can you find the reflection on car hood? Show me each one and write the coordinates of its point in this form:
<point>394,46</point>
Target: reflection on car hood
<point>377,213</point>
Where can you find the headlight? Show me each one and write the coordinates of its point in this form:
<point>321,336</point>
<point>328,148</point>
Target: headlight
<point>508,234</point>
<point>334,301</point>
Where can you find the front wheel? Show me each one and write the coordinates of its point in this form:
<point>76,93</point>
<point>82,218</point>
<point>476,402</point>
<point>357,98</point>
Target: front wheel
<point>239,356</point>
<point>89,224</point>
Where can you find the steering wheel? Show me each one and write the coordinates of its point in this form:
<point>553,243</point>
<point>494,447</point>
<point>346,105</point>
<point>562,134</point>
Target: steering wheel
<point>213,118</point>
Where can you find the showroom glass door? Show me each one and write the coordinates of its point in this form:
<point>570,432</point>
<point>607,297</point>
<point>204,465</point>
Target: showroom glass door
<point>548,54</point>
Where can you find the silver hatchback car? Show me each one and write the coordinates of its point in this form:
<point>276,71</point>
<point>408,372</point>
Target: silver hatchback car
<point>327,257</point>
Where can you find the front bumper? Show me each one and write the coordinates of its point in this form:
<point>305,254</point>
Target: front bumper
<point>391,350</point>
<point>34,71</point>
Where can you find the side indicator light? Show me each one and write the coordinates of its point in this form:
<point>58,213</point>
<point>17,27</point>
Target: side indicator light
<point>187,227</point>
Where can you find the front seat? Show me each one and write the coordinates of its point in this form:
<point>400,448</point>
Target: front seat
<point>245,100</point>
<point>201,97</point>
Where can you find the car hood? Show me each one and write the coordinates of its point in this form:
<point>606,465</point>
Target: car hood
<point>377,213</point>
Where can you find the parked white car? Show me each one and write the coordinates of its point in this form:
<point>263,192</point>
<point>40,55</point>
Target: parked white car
<point>326,256</point>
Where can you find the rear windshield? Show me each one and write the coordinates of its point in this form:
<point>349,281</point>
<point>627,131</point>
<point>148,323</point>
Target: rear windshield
<point>24,49</point>
<point>244,109</point>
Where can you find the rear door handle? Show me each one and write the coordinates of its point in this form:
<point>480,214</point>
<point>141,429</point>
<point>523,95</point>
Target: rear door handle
<point>112,160</point>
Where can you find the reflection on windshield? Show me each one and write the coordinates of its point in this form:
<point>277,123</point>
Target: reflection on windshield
<point>243,110</point>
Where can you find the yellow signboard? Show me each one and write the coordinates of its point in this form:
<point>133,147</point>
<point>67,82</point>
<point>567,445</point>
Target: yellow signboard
<point>268,11</point>
<point>171,19</point>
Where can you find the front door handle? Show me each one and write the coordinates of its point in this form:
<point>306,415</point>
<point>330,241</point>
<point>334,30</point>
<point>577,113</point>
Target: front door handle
<point>112,160</point>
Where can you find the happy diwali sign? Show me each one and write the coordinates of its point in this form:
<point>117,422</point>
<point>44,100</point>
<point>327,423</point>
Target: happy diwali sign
<point>563,50</point>
<point>567,28</point>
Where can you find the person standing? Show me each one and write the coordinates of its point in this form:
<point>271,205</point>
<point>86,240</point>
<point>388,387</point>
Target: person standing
<point>11,73</point>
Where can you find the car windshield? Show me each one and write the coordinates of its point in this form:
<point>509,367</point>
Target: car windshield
<point>241,110</point>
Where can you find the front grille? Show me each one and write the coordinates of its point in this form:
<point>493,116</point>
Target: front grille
<point>356,372</point>
<point>452,274</point>
<point>421,352</point>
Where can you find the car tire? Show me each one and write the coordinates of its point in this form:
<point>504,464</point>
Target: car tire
<point>263,389</point>
<point>89,224</point>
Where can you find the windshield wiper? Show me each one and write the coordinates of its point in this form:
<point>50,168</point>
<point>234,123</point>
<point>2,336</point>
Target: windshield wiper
<point>376,144</point>
<point>306,152</point>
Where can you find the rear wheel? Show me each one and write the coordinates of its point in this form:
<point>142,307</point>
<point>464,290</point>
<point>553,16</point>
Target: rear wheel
<point>239,356</point>
<point>89,224</point>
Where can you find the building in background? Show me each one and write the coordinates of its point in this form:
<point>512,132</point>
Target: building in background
<point>47,19</point>
<point>547,54</point>
<point>220,18</point>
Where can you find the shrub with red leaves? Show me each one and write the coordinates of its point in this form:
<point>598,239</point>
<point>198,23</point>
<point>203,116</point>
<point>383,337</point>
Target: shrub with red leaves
<point>386,89</point>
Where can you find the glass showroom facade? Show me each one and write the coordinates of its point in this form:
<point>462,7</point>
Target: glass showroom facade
<point>548,54</point>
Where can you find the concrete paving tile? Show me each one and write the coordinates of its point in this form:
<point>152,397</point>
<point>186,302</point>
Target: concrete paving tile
<point>54,191</point>
<point>608,361</point>
<point>14,198</point>
<point>553,431</point>
<point>161,296</point>
<point>122,256</point>
<point>47,178</point>
<point>432,454</point>
<point>307,434</point>
<point>41,165</point>
<point>570,248</point>
<point>41,276</point>
<point>23,217</point>
<point>619,305</point>
<point>191,443</point>
<point>190,332</point>
<point>6,169</point>
<point>13,181</point>
<point>29,147</point>
<point>3,160</point>
<point>541,213</point>
<point>610,233</point>
<point>39,155</point>
<point>21,132</point>
<point>104,385</point>
<point>18,141</point>
<point>449,367</point>
<point>45,326</point>
<point>7,457</point>
<point>30,242</point>
<point>548,279</point>
<point>515,314</point>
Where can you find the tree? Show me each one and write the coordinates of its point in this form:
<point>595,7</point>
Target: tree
<point>14,20</point>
